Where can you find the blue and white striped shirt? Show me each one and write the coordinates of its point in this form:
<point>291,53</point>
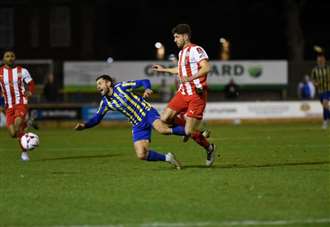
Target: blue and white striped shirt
<point>123,99</point>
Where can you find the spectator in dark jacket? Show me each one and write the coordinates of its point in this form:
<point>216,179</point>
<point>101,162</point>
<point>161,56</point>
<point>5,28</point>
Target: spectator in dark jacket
<point>50,90</point>
<point>232,90</point>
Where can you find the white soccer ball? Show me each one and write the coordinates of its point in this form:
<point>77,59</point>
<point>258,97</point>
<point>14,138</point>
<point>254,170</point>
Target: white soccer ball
<point>29,141</point>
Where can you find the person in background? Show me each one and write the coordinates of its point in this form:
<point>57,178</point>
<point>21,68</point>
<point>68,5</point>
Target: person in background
<point>165,91</point>
<point>321,79</point>
<point>231,90</point>
<point>50,90</point>
<point>306,89</point>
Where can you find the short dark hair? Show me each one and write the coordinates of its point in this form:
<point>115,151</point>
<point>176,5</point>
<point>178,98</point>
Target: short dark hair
<point>8,50</point>
<point>107,78</point>
<point>182,29</point>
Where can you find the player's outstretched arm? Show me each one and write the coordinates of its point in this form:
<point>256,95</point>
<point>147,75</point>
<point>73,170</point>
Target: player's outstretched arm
<point>159,68</point>
<point>96,119</point>
<point>91,122</point>
<point>134,84</point>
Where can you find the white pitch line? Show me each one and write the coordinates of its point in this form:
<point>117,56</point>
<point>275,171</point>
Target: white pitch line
<point>241,223</point>
<point>222,223</point>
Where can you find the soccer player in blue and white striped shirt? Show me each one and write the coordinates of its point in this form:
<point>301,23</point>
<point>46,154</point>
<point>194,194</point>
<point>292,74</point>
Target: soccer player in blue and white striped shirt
<point>321,79</point>
<point>120,97</point>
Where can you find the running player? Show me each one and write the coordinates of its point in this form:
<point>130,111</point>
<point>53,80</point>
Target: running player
<point>13,79</point>
<point>191,97</point>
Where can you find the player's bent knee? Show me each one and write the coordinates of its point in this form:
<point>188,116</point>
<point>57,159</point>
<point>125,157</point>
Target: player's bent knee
<point>141,149</point>
<point>164,131</point>
<point>188,131</point>
<point>164,118</point>
<point>141,155</point>
<point>12,131</point>
<point>18,121</point>
<point>12,134</point>
<point>167,116</point>
<point>162,128</point>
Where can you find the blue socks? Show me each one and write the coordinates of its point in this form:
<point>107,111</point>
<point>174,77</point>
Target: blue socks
<point>178,130</point>
<point>155,156</point>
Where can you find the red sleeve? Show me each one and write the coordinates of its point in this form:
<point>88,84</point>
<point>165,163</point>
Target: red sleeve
<point>31,86</point>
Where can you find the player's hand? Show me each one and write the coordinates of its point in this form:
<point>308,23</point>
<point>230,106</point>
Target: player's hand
<point>184,79</point>
<point>158,68</point>
<point>28,94</point>
<point>79,126</point>
<point>147,93</point>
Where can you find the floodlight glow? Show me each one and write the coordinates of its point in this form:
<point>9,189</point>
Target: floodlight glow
<point>158,45</point>
<point>222,40</point>
<point>109,60</point>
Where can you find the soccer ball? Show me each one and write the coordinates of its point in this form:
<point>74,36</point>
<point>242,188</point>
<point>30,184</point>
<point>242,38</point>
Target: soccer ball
<point>29,141</point>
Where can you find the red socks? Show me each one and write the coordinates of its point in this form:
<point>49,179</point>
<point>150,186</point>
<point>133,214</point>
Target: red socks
<point>200,139</point>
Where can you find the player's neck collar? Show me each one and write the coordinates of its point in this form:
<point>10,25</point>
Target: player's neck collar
<point>9,66</point>
<point>107,97</point>
<point>187,45</point>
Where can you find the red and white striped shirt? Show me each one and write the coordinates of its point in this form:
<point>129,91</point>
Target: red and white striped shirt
<point>12,84</point>
<point>188,66</point>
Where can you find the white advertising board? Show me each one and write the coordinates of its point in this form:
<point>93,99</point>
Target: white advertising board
<point>243,72</point>
<point>258,110</point>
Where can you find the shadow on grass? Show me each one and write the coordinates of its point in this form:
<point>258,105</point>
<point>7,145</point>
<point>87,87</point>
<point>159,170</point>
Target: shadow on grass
<point>239,166</point>
<point>77,157</point>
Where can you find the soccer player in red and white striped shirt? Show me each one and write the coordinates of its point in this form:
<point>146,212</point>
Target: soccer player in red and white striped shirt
<point>191,97</point>
<point>13,82</point>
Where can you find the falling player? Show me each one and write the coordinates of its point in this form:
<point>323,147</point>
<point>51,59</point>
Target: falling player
<point>120,97</point>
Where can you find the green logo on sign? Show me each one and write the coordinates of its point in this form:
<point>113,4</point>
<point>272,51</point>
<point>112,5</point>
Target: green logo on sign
<point>255,71</point>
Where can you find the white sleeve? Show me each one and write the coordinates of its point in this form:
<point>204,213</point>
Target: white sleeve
<point>199,53</point>
<point>26,76</point>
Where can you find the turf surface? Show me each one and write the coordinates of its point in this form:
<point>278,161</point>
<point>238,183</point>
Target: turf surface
<point>265,174</point>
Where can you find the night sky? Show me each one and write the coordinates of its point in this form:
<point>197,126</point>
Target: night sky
<point>128,29</point>
<point>256,29</point>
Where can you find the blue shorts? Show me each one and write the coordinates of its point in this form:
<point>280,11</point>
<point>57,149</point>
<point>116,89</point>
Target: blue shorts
<point>142,131</point>
<point>325,95</point>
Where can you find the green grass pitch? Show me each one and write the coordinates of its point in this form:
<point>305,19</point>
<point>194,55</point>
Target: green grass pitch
<point>267,175</point>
